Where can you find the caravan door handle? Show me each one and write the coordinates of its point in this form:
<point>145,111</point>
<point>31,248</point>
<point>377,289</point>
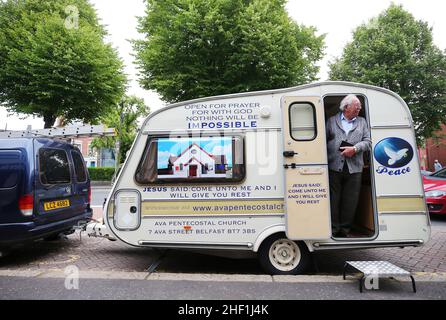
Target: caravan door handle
<point>289,154</point>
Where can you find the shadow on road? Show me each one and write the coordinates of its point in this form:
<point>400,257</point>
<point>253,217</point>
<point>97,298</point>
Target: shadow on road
<point>438,217</point>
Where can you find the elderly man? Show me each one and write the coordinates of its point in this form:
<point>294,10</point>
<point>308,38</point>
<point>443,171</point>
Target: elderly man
<point>348,137</point>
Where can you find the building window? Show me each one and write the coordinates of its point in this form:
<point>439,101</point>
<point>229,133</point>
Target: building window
<point>91,150</point>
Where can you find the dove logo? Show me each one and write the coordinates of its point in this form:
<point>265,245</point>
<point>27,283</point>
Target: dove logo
<point>393,153</point>
<point>395,156</point>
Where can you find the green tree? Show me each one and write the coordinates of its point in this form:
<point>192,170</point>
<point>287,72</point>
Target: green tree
<point>396,52</point>
<point>196,48</point>
<point>54,61</point>
<point>124,118</point>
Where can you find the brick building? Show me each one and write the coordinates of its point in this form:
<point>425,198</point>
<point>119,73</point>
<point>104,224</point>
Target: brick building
<point>93,157</point>
<point>435,148</point>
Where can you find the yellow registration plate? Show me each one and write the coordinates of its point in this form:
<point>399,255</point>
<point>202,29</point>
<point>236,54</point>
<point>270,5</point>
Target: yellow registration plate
<point>56,204</point>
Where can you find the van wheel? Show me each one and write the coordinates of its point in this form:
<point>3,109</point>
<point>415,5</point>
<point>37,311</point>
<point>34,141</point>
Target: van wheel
<point>279,255</point>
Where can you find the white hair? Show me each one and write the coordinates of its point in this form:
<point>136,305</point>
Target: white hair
<point>348,100</point>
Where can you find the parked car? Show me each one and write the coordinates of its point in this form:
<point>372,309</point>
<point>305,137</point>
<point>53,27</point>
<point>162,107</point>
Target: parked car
<point>435,191</point>
<point>44,190</point>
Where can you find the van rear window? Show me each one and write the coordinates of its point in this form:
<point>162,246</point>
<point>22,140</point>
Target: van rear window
<point>79,167</point>
<point>192,159</point>
<point>11,168</point>
<point>53,166</point>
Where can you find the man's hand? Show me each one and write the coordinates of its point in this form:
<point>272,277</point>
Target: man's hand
<point>348,152</point>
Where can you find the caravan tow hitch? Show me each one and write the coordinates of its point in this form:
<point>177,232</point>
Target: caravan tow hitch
<point>97,229</point>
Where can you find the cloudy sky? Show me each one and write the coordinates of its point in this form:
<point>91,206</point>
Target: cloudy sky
<point>336,19</point>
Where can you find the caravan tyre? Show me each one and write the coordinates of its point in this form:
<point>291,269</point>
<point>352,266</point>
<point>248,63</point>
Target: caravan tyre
<point>279,255</point>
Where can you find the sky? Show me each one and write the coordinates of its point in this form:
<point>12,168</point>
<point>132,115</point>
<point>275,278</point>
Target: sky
<point>337,19</point>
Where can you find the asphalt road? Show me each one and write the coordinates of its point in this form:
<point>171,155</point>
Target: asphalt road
<point>98,194</point>
<point>125,289</point>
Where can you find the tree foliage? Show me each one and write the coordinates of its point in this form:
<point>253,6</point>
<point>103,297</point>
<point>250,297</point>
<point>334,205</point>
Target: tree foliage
<point>196,48</point>
<point>54,61</point>
<point>124,118</point>
<point>396,52</point>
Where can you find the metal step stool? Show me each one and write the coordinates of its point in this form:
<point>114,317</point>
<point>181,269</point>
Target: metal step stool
<point>378,268</point>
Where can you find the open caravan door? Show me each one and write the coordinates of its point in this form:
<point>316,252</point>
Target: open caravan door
<point>307,200</point>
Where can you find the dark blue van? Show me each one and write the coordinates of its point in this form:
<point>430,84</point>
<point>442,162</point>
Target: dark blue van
<point>44,189</point>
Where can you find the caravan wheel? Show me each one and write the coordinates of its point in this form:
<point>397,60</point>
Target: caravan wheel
<point>282,256</point>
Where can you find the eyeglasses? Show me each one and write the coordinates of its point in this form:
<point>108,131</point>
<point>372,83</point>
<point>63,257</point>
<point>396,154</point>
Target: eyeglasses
<point>356,106</point>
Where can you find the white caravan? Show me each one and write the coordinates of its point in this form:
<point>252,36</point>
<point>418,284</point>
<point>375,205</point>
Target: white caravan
<point>249,172</point>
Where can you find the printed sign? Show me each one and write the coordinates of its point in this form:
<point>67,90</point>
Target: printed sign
<point>234,207</point>
<point>393,153</point>
<point>222,115</point>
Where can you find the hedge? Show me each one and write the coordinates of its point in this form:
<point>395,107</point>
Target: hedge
<point>101,173</point>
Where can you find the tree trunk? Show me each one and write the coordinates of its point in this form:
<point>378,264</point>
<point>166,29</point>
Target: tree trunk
<point>60,121</point>
<point>49,120</point>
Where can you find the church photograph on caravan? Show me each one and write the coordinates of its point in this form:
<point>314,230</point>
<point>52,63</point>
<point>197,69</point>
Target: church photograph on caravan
<point>186,158</point>
<point>254,173</point>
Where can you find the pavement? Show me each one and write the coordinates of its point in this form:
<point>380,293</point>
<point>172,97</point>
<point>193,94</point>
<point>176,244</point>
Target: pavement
<point>104,255</point>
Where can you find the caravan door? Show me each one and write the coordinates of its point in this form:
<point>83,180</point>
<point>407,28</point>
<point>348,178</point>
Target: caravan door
<point>307,200</point>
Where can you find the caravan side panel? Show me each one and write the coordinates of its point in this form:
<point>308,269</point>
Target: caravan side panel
<point>193,142</point>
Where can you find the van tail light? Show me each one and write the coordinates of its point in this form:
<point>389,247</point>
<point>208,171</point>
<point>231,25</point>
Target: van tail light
<point>26,204</point>
<point>89,194</point>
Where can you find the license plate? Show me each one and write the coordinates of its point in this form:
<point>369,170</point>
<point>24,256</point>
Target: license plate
<point>56,204</point>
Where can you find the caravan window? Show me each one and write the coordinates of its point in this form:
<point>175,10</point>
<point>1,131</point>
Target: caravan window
<point>302,121</point>
<point>192,159</point>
